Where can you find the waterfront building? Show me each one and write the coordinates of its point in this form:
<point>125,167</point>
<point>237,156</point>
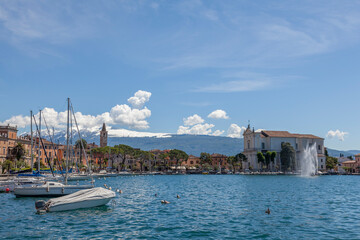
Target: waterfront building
<point>264,140</point>
<point>219,161</point>
<point>8,137</point>
<point>350,166</point>
<point>192,162</point>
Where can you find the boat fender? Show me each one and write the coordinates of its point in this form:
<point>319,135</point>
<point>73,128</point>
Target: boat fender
<point>7,190</point>
<point>48,188</point>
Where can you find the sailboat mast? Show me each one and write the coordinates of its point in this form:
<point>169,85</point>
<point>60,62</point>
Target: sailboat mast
<point>39,151</point>
<point>32,143</point>
<point>67,142</point>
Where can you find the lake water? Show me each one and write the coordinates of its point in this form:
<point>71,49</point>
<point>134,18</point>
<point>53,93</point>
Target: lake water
<point>211,206</point>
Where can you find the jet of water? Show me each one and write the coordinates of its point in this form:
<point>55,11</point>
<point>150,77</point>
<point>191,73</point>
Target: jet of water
<point>309,161</point>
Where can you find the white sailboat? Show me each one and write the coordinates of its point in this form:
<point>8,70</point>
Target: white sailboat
<point>82,199</point>
<point>50,189</point>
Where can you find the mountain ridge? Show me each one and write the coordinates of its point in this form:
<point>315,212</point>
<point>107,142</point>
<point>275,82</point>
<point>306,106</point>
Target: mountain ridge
<point>191,144</point>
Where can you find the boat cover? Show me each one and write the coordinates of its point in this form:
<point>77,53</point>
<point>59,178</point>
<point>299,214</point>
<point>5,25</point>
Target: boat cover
<point>83,195</point>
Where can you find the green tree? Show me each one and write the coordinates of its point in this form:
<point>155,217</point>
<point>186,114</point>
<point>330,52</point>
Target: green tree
<point>267,159</point>
<point>143,156</point>
<point>178,156</point>
<point>260,159</point>
<point>331,162</point>
<point>17,152</point>
<point>241,157</point>
<point>287,156</point>
<point>6,165</point>
<point>123,152</point>
<point>80,146</point>
<point>164,160</point>
<point>205,158</point>
<point>233,161</point>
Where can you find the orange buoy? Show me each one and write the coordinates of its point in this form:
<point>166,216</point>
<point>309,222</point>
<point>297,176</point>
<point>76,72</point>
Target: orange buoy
<point>7,190</point>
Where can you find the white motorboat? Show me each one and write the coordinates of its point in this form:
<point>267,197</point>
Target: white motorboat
<point>77,177</point>
<point>48,189</point>
<point>82,199</point>
<point>12,183</point>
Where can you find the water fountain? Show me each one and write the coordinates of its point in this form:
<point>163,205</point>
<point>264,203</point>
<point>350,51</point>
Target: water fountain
<point>309,161</point>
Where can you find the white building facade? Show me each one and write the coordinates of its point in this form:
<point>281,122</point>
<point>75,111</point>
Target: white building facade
<point>263,141</point>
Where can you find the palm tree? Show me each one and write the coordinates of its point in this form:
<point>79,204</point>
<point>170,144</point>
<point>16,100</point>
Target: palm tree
<point>17,152</point>
<point>80,146</point>
<point>233,161</point>
<point>261,159</point>
<point>241,157</point>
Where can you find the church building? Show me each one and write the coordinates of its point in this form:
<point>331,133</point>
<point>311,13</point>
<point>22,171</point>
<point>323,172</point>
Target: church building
<point>264,140</point>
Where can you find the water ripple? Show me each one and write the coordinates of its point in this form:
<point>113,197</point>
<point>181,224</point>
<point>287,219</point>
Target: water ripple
<point>210,207</point>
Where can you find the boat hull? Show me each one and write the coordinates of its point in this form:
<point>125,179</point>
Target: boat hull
<point>41,191</point>
<point>79,205</point>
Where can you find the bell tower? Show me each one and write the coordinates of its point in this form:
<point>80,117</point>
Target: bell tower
<point>103,136</point>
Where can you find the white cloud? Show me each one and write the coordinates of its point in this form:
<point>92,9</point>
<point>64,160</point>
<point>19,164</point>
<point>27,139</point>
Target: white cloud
<point>195,125</point>
<point>122,115</point>
<point>218,132</point>
<point>235,131</point>
<point>134,118</point>
<point>139,99</point>
<point>198,129</point>
<point>218,114</point>
<point>20,121</point>
<point>129,133</point>
<point>193,120</point>
<point>337,134</point>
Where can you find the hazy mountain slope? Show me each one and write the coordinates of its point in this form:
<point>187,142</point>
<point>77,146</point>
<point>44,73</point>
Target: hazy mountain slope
<point>192,144</point>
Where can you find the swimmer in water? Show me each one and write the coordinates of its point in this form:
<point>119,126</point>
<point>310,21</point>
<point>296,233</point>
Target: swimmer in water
<point>267,211</point>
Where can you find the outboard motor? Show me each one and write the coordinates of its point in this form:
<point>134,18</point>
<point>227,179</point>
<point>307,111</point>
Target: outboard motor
<point>40,204</point>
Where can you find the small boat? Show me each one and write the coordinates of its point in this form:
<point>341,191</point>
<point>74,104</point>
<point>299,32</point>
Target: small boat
<point>77,177</point>
<point>82,199</point>
<point>12,183</point>
<point>48,189</point>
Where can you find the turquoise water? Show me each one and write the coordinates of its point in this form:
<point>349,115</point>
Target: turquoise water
<point>211,206</point>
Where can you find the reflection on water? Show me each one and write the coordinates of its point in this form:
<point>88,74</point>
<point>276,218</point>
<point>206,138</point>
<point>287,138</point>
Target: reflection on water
<point>211,206</point>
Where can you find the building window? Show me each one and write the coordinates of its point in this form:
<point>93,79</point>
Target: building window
<point>248,144</point>
<point>191,162</point>
<point>321,166</point>
<point>319,147</point>
<point>263,145</point>
<point>297,146</point>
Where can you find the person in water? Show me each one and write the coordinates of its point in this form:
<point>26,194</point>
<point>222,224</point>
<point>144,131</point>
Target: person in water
<point>164,202</point>
<point>178,196</point>
<point>267,211</point>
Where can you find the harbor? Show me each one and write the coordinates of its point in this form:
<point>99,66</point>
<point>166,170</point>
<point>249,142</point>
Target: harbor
<point>211,206</point>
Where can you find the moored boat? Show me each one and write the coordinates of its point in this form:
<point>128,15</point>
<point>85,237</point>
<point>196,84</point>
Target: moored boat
<point>48,189</point>
<point>82,199</point>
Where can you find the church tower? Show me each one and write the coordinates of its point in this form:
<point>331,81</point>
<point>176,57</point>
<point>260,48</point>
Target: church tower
<point>103,136</point>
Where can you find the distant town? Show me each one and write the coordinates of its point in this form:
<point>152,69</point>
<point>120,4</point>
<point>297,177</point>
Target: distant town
<point>264,152</point>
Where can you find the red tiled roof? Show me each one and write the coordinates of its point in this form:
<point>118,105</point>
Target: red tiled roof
<point>349,162</point>
<point>286,134</point>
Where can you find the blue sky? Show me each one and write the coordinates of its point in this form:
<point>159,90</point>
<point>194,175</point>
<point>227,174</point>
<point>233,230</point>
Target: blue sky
<point>283,65</point>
